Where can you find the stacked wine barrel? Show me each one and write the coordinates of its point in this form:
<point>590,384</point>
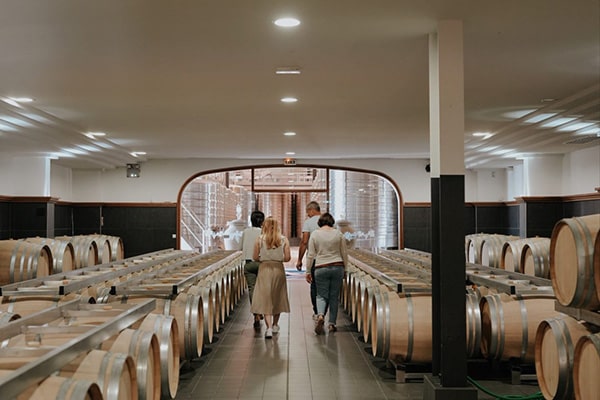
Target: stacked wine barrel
<point>567,349</point>
<point>37,257</point>
<point>176,330</point>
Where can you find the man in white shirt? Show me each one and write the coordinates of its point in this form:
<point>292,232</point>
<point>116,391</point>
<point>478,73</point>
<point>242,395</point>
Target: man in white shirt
<point>249,236</point>
<point>313,210</point>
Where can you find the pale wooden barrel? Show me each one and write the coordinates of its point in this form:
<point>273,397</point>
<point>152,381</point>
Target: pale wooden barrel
<point>21,260</point>
<point>509,325</point>
<point>166,330</point>
<point>586,368</point>
<point>510,260</point>
<point>403,328</point>
<point>491,249</point>
<point>535,258</point>
<point>27,305</point>
<point>63,254</point>
<point>554,355</point>
<point>208,309</point>
<point>473,321</point>
<point>187,310</point>
<point>117,250</point>
<point>113,372</point>
<point>60,388</point>
<point>103,245</point>
<point>473,247</point>
<point>372,294</point>
<point>143,347</point>
<point>572,248</point>
<point>361,299</point>
<point>86,250</point>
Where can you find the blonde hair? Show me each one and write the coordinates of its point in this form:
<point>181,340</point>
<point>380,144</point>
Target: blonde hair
<point>271,233</point>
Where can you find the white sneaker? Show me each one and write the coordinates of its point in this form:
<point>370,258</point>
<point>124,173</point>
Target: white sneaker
<point>275,328</point>
<point>269,333</point>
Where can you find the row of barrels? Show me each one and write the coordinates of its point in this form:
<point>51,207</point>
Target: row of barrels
<point>570,258</point>
<point>191,317</point>
<point>37,257</point>
<point>529,256</point>
<point>566,352</point>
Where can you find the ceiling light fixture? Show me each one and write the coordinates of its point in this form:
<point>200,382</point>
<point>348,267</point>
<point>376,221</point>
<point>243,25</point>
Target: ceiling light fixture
<point>289,100</point>
<point>289,133</point>
<point>287,71</point>
<point>483,135</point>
<point>287,22</point>
<point>21,99</point>
<point>289,153</point>
<point>138,153</point>
<point>93,135</point>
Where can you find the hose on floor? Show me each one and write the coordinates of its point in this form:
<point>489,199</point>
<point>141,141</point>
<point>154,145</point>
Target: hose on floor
<point>534,396</point>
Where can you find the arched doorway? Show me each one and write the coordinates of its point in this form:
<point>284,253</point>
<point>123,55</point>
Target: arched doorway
<point>214,206</point>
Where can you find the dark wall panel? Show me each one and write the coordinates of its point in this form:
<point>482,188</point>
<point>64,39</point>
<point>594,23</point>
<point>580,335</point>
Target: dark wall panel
<point>541,218</point>
<point>417,228</point>
<point>142,229</point>
<point>63,221</point>
<point>4,220</point>
<point>86,220</point>
<point>491,219</point>
<point>28,220</point>
<point>512,212</point>
<point>580,208</point>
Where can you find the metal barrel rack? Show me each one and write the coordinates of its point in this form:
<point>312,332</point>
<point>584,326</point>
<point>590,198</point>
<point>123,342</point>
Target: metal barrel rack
<point>50,360</point>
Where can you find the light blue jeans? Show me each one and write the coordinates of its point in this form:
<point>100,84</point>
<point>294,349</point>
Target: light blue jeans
<point>329,283</point>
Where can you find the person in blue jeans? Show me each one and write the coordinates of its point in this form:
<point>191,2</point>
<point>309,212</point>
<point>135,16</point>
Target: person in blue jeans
<point>327,248</point>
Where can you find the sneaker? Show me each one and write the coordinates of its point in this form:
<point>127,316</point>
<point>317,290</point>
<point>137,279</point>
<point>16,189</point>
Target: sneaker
<point>275,328</point>
<point>269,333</point>
<point>319,327</point>
<point>332,328</point>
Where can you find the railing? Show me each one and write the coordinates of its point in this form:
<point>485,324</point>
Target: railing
<point>196,232</point>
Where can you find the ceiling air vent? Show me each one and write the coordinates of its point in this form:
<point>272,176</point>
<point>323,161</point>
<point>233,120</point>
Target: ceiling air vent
<point>583,139</point>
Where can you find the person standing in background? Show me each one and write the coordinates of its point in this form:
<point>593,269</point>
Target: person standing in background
<point>313,210</point>
<point>327,248</point>
<point>270,298</point>
<point>249,237</point>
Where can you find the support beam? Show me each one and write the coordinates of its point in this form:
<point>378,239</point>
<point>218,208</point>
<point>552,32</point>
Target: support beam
<point>446,89</point>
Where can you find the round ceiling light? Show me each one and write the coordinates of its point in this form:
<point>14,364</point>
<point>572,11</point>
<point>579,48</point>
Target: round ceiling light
<point>287,22</point>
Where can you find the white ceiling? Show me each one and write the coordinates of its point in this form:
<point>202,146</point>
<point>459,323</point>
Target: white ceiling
<point>195,79</point>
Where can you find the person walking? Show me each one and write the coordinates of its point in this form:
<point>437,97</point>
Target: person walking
<point>249,237</point>
<point>327,248</point>
<point>270,298</point>
<point>313,210</point>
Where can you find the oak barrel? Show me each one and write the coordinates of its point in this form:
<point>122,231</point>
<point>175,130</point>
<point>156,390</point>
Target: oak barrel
<point>572,248</point>
<point>63,254</point>
<point>509,325</point>
<point>113,372</point>
<point>586,367</point>
<point>143,347</point>
<point>21,260</point>
<point>535,258</point>
<point>60,388</point>
<point>554,355</point>
<point>166,330</point>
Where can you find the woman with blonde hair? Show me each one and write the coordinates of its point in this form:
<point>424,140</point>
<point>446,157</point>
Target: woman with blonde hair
<point>270,297</point>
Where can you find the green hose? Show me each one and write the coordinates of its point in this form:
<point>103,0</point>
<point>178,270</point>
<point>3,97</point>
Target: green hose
<point>535,396</point>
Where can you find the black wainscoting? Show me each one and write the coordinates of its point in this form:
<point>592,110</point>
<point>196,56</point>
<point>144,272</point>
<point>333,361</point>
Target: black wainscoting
<point>143,229</point>
<point>4,220</point>
<point>28,219</point>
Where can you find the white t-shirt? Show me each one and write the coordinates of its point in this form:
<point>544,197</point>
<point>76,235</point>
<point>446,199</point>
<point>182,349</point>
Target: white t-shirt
<point>249,236</point>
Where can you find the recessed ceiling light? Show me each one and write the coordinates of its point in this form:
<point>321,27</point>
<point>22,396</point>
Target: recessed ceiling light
<point>22,99</point>
<point>483,135</point>
<point>93,135</point>
<point>138,153</point>
<point>289,153</point>
<point>558,122</point>
<point>287,71</point>
<point>287,22</point>
<point>289,100</point>
<point>289,133</point>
